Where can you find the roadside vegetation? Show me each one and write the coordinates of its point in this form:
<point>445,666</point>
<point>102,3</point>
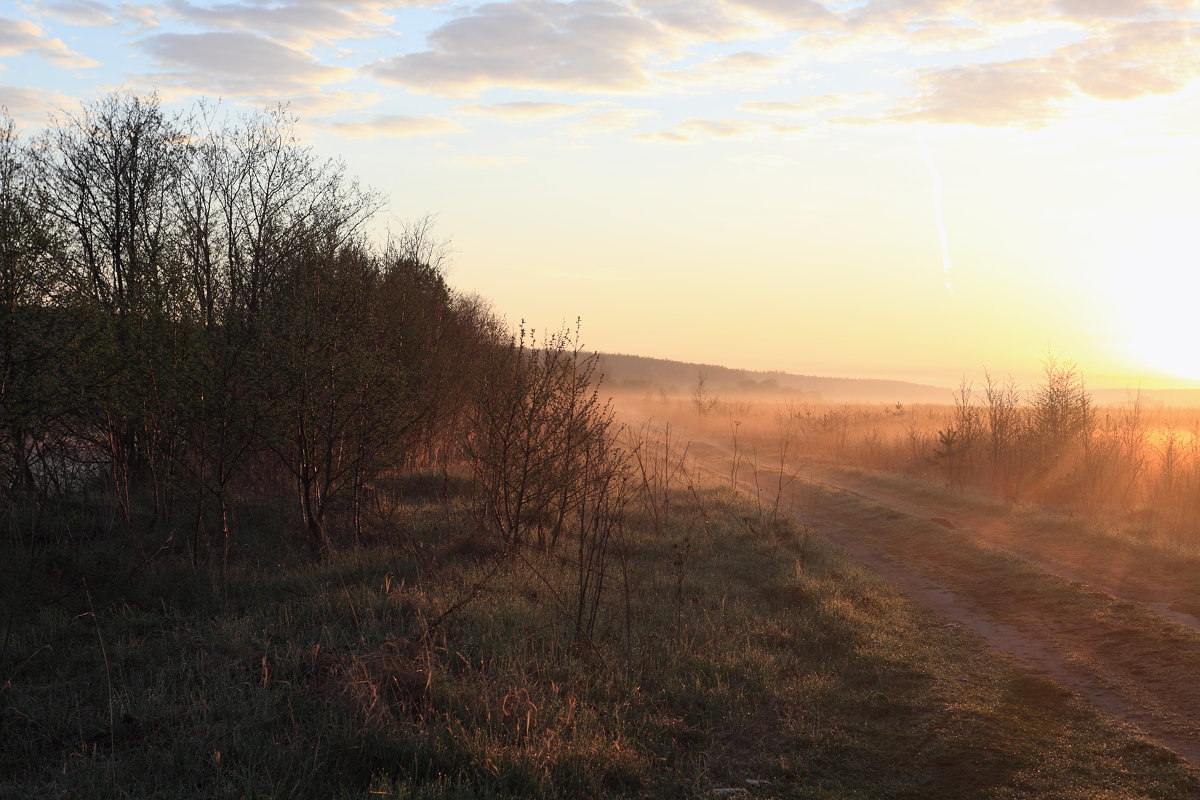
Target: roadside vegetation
<point>284,515</point>
<point>1131,470</point>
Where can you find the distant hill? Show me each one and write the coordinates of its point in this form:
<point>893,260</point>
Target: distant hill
<point>638,373</point>
<point>627,373</point>
<point>1183,398</point>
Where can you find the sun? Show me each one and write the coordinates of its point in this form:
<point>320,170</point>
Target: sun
<point>1155,288</point>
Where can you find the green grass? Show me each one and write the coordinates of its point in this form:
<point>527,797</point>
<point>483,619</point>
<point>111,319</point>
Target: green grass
<point>767,658</point>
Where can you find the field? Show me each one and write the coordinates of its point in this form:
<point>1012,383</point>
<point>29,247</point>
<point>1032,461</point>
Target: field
<point>1090,575</point>
<point>775,620</point>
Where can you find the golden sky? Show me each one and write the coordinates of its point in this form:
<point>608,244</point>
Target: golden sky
<point>879,187</point>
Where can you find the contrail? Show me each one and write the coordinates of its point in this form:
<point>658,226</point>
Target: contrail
<point>947,264</point>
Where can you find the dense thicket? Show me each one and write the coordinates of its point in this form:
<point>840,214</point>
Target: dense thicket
<point>194,317</point>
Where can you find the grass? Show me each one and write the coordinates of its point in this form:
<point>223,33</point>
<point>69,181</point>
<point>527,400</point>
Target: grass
<point>759,661</point>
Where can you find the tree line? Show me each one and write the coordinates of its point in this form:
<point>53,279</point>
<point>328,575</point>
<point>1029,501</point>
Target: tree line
<point>195,313</point>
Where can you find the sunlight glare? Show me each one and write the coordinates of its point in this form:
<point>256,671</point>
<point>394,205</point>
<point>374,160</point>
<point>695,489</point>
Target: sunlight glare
<point>1155,287</point>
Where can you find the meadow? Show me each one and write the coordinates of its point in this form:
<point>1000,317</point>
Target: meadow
<point>428,661</point>
<point>722,635</point>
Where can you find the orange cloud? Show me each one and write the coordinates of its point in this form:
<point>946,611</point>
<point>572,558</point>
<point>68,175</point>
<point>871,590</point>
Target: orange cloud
<point>522,110</point>
<point>392,125</point>
<point>18,36</point>
<point>694,130</point>
<point>1122,61</point>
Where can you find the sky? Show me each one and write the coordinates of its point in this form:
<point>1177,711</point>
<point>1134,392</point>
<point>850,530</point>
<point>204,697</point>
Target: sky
<point>916,189</point>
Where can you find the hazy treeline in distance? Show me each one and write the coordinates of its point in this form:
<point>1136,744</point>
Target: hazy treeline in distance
<point>627,374</point>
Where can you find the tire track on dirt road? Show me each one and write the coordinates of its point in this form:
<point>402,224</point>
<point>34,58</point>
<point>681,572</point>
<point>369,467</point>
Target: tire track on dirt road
<point>1124,657</point>
<point>1098,567</point>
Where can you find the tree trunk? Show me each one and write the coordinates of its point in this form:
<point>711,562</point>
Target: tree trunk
<point>318,539</point>
<point>314,520</point>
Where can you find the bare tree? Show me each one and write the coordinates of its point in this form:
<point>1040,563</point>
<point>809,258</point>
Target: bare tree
<point>1005,432</point>
<point>701,399</point>
<point>107,176</point>
<point>207,297</point>
<point>252,203</point>
<point>536,415</point>
<point>958,441</point>
<point>360,361</point>
<point>1062,409</point>
<point>35,328</point>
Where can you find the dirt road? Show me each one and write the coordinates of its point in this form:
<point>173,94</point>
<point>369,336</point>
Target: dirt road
<point>1095,625</point>
<point>1120,568</point>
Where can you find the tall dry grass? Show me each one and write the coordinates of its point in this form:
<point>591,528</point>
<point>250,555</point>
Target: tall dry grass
<point>1045,446</point>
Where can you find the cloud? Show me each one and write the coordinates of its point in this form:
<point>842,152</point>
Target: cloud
<point>301,24</point>
<point>144,17</point>
<point>1117,9</point>
<point>748,60</point>
<point>396,125</point>
<point>320,103</point>
<point>523,110</point>
<point>811,103</point>
<point>743,69</point>
<point>582,46</point>
<point>1122,62</point>
<point>1013,92</point>
<point>29,106</point>
<point>610,120</point>
<point>668,137</point>
<point>795,14</point>
<point>84,13</point>
<point>19,99</point>
<point>240,64</point>
<point>763,160</point>
<point>936,26</point>
<point>937,38</point>
<point>489,162</point>
<point>933,26</point>
<point>695,130</point>
<point>700,18</point>
<point>18,37</point>
<point>1136,59</point>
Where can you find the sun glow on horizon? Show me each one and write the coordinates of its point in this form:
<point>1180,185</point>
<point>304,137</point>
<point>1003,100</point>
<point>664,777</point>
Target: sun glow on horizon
<point>1154,285</point>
